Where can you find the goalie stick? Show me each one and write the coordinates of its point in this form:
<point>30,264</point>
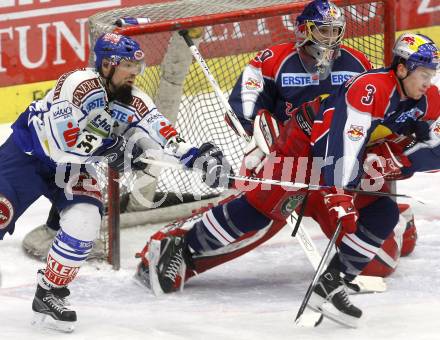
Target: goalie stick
<point>230,113</point>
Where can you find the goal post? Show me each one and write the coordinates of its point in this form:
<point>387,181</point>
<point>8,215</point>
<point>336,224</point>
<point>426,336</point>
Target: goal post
<point>232,32</point>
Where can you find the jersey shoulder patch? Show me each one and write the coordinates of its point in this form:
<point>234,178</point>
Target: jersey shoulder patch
<point>141,102</point>
<point>370,92</point>
<point>77,85</point>
<point>270,59</point>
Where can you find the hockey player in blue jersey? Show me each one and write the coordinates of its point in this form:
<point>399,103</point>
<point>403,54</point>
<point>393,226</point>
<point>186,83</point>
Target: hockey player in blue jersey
<point>91,115</point>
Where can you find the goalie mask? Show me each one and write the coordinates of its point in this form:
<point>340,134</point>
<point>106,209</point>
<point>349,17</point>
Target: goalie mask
<point>417,50</point>
<point>119,50</point>
<point>319,31</point>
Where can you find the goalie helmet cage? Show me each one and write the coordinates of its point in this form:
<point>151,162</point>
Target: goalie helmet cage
<point>231,33</point>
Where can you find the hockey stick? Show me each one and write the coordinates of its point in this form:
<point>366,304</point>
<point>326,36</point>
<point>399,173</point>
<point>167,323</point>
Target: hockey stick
<point>198,57</point>
<point>318,274</point>
<point>294,185</point>
<point>178,166</point>
<point>361,284</point>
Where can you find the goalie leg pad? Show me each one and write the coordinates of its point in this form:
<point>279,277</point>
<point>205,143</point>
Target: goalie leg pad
<point>275,201</point>
<point>224,224</point>
<point>251,230</point>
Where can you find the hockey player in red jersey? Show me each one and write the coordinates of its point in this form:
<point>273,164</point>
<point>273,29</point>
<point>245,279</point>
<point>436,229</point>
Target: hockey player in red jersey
<point>400,98</point>
<point>91,115</point>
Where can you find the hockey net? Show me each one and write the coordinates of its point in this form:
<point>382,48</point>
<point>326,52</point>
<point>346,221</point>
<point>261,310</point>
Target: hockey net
<point>232,32</point>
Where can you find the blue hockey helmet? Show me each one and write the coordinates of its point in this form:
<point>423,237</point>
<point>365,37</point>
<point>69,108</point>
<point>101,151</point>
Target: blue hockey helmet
<point>116,48</point>
<point>319,30</point>
<point>322,23</point>
<point>417,50</point>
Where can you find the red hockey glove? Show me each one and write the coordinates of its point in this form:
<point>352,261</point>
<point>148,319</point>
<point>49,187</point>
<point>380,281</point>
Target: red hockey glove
<point>387,159</point>
<point>341,207</point>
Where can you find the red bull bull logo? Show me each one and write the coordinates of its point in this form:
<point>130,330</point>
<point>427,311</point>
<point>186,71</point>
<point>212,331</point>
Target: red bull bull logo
<point>436,129</point>
<point>355,132</point>
<point>253,84</point>
<point>409,40</point>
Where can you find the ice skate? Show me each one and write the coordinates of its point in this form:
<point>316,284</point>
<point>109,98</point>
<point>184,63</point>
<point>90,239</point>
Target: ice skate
<point>50,309</point>
<point>331,299</point>
<point>167,264</point>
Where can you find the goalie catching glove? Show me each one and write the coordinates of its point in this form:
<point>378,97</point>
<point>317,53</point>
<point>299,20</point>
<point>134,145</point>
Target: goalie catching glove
<point>341,208</point>
<point>210,160</point>
<point>121,155</point>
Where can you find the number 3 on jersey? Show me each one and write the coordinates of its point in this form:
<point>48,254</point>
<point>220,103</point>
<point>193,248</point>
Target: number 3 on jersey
<point>368,98</point>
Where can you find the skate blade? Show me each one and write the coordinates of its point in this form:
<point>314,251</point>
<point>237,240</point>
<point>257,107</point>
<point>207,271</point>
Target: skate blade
<point>44,321</point>
<point>142,282</point>
<point>320,305</point>
<point>153,259</point>
<point>182,273</point>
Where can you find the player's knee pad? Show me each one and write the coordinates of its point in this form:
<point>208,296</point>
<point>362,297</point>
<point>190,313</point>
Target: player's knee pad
<point>81,221</point>
<point>73,243</point>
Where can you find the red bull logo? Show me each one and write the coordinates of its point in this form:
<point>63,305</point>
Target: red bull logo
<point>355,132</point>
<point>253,84</point>
<point>409,40</point>
<point>436,129</point>
<point>332,12</point>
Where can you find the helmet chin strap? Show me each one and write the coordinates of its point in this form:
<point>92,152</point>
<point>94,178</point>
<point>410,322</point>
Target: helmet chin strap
<point>108,80</point>
<point>401,81</point>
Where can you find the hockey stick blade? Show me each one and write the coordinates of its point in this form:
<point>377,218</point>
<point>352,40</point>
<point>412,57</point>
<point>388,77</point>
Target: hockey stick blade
<point>309,319</point>
<point>363,284</point>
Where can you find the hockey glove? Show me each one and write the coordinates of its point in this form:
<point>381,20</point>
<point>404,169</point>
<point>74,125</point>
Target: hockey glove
<point>115,150</point>
<point>341,208</point>
<point>386,159</point>
<point>210,160</point>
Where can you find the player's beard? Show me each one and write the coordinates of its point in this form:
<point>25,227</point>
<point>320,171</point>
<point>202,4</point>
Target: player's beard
<point>123,94</point>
